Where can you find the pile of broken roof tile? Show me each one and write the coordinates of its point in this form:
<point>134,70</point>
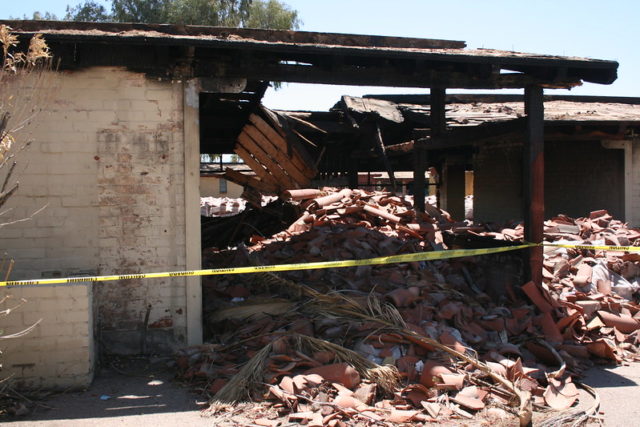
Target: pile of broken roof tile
<point>414,342</point>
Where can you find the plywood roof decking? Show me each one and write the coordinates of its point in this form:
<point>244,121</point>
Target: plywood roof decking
<point>318,57</point>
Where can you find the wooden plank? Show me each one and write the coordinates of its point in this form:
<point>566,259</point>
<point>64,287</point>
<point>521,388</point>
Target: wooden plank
<point>255,166</point>
<point>384,109</point>
<point>379,146</point>
<point>278,155</point>
<point>275,121</point>
<point>301,160</point>
<point>291,145</point>
<point>533,180</point>
<point>306,123</point>
<point>246,180</point>
<point>263,156</point>
<point>402,148</point>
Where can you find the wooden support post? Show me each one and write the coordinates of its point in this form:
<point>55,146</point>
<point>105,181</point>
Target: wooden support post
<point>353,172</point>
<point>437,111</point>
<point>438,129</point>
<point>193,251</point>
<point>533,180</point>
<point>419,167</point>
<point>453,183</point>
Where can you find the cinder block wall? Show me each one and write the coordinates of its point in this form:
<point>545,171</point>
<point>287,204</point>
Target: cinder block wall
<point>59,352</point>
<point>108,164</point>
<point>580,177</point>
<point>583,176</point>
<point>497,183</point>
<point>635,186</point>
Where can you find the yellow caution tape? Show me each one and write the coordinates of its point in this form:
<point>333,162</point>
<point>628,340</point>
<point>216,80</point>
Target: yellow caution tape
<point>419,256</point>
<point>595,247</point>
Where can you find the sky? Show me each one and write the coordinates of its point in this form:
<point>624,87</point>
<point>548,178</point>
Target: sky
<point>586,28</point>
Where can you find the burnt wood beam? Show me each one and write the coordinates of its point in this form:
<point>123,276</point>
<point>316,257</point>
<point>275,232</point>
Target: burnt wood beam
<point>593,70</point>
<point>378,76</point>
<point>438,129</point>
<point>471,135</point>
<point>437,112</point>
<point>399,149</point>
<point>379,147</point>
<point>469,98</point>
<point>533,180</point>
<point>328,66</point>
<point>419,169</point>
<point>438,118</point>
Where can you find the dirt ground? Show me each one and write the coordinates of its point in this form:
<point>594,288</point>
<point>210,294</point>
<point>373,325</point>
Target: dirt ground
<point>139,394</point>
<point>148,397</point>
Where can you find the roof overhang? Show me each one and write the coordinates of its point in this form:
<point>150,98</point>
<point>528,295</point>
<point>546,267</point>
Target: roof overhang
<point>174,51</point>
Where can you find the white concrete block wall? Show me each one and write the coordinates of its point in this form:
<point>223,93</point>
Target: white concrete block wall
<point>140,181</point>
<point>59,353</point>
<point>108,164</point>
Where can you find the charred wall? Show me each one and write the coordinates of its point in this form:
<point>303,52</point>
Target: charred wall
<point>580,176</point>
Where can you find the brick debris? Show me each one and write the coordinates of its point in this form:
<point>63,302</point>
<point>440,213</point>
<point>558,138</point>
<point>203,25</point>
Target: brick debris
<point>415,342</point>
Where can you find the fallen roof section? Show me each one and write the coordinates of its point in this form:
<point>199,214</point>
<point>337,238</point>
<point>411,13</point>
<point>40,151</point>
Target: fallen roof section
<point>306,57</point>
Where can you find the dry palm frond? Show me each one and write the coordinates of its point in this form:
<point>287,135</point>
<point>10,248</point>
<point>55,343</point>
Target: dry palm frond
<point>254,310</point>
<point>21,333</point>
<point>388,316</point>
<point>576,417</point>
<point>251,376</point>
<point>8,311</point>
<point>386,377</point>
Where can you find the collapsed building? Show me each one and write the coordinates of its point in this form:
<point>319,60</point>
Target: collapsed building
<point>135,106</point>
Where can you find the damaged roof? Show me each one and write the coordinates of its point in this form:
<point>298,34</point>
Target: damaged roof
<point>475,118</point>
<point>309,57</point>
<point>475,109</point>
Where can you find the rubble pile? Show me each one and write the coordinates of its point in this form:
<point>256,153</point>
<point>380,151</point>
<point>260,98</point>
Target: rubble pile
<point>412,342</point>
<point>223,231</point>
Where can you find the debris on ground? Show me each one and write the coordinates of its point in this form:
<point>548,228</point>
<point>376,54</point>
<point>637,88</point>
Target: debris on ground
<point>413,342</point>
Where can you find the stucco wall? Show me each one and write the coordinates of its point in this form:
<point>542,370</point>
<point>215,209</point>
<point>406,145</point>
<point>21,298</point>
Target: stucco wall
<point>108,164</point>
<point>210,187</point>
<point>580,177</point>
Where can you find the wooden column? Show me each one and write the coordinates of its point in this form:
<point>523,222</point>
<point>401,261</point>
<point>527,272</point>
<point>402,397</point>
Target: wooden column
<point>193,251</point>
<point>533,179</point>
<point>437,112</point>
<point>419,166</point>
<point>352,175</point>
<point>438,128</point>
<point>453,183</point>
